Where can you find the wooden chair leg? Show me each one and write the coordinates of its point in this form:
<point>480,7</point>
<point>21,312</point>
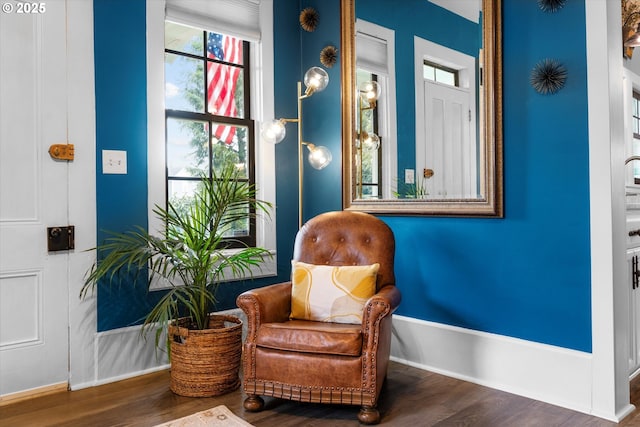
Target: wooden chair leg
<point>369,415</point>
<point>254,403</point>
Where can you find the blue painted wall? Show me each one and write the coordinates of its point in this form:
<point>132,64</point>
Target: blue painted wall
<point>524,276</point>
<point>121,124</point>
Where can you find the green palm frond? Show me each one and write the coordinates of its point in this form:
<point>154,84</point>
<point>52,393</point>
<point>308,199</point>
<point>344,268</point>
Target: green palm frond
<point>191,258</point>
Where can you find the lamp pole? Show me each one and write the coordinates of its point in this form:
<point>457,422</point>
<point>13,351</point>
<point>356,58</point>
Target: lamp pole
<point>300,165</point>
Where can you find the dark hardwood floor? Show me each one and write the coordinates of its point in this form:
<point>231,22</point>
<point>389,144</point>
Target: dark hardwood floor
<point>411,397</point>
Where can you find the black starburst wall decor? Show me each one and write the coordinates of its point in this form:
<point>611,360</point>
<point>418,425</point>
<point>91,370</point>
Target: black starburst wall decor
<point>548,76</point>
<point>551,5</point>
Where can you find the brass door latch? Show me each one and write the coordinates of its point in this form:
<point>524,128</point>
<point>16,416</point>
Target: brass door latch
<point>62,151</point>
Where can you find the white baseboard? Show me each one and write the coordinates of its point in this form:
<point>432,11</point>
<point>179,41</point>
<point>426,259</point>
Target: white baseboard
<point>124,353</point>
<point>542,372</point>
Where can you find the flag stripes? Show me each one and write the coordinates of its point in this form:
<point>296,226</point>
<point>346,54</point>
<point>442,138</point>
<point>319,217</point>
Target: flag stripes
<point>221,81</point>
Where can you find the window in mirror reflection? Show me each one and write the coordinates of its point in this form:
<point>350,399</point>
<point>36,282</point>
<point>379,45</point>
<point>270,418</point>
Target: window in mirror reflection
<point>440,74</point>
<point>636,136</point>
<point>368,143</point>
<point>378,160</point>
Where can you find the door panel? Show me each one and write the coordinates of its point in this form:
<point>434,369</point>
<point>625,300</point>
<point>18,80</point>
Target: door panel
<point>450,149</point>
<point>34,307</point>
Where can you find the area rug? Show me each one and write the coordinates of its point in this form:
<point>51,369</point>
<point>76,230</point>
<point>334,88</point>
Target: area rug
<point>220,416</point>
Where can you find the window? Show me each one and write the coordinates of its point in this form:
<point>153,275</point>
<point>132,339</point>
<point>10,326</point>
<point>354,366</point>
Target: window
<point>375,50</point>
<point>368,154</point>
<point>207,107</point>
<point>635,149</point>
<point>440,74</point>
<point>247,20</point>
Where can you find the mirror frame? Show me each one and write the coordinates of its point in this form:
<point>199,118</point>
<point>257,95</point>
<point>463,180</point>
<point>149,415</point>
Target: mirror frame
<point>491,169</point>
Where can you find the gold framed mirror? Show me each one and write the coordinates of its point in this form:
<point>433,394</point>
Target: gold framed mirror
<point>431,145</point>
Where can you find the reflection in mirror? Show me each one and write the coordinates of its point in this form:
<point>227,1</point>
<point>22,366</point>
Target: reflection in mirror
<point>429,142</point>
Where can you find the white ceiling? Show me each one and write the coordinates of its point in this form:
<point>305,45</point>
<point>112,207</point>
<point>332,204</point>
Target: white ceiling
<point>469,9</point>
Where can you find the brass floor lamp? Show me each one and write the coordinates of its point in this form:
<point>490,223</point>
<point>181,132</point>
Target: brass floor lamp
<point>315,80</point>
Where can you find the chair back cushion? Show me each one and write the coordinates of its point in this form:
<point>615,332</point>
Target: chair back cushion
<point>347,238</point>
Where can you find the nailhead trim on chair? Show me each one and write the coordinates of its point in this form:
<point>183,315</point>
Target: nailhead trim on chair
<point>254,335</point>
<point>344,396</point>
<point>373,365</point>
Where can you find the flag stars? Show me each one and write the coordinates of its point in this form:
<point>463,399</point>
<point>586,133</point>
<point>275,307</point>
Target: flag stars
<point>214,46</point>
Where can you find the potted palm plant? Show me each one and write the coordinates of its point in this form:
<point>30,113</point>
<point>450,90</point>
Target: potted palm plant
<point>191,259</point>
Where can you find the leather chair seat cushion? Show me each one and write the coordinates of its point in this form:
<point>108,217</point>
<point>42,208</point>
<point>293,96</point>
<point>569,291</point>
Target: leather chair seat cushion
<point>311,337</point>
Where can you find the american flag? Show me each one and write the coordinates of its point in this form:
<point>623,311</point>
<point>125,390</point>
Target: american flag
<point>221,81</point>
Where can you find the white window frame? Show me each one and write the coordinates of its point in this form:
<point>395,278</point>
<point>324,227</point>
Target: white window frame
<point>262,105</point>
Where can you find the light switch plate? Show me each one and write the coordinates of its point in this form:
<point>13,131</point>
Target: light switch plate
<point>409,176</point>
<point>114,162</point>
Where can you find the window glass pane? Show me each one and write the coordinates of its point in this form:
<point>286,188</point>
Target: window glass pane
<point>187,148</point>
<point>446,77</point>
<point>369,172</point>
<point>225,90</point>
<point>181,196</point>
<point>235,153</point>
<point>636,164</point>
<point>238,228</point>
<point>224,48</point>
<point>375,179</point>
<point>183,39</point>
<point>184,83</point>
<point>636,113</point>
<point>361,77</point>
<point>429,72</point>
<point>181,193</point>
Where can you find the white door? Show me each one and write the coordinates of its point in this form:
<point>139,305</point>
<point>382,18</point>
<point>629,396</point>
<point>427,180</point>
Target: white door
<point>450,150</point>
<point>34,294</point>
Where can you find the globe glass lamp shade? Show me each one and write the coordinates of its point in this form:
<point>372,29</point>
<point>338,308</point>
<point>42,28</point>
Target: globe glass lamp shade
<point>371,142</point>
<point>316,79</point>
<point>273,131</point>
<point>319,157</point>
<point>370,91</point>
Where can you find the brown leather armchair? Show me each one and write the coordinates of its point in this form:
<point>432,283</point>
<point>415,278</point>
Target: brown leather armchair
<point>313,361</point>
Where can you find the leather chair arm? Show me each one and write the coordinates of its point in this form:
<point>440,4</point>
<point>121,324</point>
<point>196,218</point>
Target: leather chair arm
<point>387,298</point>
<point>265,305</point>
<point>382,304</point>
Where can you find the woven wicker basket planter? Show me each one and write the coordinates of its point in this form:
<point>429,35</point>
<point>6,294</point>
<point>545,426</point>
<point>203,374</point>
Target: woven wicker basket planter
<point>206,362</point>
